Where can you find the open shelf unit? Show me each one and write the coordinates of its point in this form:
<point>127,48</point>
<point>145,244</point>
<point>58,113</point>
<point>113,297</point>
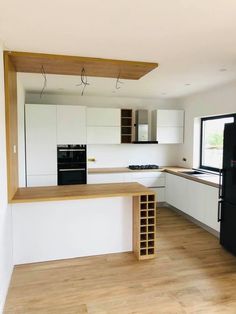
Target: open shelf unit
<point>144,233</point>
<point>127,126</point>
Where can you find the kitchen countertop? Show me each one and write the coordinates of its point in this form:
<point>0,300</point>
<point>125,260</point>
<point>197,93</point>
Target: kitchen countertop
<point>209,179</point>
<point>119,170</point>
<point>74,192</point>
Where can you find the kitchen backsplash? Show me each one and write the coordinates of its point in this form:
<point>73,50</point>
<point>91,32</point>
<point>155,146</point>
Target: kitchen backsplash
<point>123,155</point>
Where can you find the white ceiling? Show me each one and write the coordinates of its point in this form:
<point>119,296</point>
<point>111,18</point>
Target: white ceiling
<point>191,40</point>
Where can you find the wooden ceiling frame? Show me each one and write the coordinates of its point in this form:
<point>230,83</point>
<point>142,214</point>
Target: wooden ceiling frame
<point>73,65</point>
<point>53,64</point>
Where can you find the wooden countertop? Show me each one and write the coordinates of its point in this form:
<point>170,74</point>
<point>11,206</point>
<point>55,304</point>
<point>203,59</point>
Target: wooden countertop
<point>73,192</point>
<point>119,170</point>
<point>209,179</point>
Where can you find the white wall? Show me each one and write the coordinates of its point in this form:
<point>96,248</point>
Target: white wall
<point>217,101</point>
<point>6,264</point>
<point>136,154</point>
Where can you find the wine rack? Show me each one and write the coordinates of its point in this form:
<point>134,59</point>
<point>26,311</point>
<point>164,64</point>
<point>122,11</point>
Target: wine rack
<point>127,126</point>
<point>144,233</point>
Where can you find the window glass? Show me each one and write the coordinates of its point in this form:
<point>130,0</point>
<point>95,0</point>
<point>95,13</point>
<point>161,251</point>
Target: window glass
<point>212,136</point>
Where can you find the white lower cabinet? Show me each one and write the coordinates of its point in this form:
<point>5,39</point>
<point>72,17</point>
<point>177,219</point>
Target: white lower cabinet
<point>105,178</point>
<point>193,198</point>
<point>160,193</point>
<point>41,180</point>
<point>153,180</point>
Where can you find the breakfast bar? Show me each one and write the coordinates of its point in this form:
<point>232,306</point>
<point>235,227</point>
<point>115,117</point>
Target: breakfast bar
<point>61,222</point>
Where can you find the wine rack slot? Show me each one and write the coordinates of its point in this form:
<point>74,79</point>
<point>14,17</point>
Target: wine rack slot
<point>144,233</point>
<point>144,198</point>
<point>144,206</point>
<point>143,237</point>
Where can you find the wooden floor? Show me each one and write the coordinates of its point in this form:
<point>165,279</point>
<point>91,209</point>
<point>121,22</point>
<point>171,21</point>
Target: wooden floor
<point>191,274</point>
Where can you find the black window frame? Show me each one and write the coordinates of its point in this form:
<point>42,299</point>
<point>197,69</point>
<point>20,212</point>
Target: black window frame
<point>201,166</point>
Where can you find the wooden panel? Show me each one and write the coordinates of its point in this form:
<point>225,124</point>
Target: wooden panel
<point>127,126</point>
<point>11,125</point>
<point>72,65</point>
<point>70,192</point>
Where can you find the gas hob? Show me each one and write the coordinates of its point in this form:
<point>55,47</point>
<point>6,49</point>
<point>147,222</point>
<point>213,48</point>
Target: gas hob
<point>143,167</point>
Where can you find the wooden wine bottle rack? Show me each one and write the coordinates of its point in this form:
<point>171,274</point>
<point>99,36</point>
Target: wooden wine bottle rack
<point>144,226</point>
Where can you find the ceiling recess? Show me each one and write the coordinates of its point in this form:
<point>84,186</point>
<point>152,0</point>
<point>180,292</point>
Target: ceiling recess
<point>73,65</point>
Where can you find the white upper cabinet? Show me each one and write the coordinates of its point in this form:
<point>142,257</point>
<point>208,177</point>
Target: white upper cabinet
<point>41,140</point>
<point>103,117</point>
<point>172,118</point>
<point>71,124</point>
<point>168,126</point>
<point>103,126</point>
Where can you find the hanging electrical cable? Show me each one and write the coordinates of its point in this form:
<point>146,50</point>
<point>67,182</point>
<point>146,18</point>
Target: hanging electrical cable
<point>45,81</point>
<point>84,81</point>
<point>118,82</point>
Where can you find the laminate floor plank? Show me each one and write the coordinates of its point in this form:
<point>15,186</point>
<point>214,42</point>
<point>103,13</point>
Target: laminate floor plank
<point>192,273</point>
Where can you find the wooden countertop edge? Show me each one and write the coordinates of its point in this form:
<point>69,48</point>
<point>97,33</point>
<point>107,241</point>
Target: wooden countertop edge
<point>192,178</point>
<point>36,194</point>
<point>68,198</point>
<point>172,170</point>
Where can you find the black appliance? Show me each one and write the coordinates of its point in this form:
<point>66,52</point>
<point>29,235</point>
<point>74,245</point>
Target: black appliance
<point>143,167</point>
<point>71,164</point>
<point>227,191</point>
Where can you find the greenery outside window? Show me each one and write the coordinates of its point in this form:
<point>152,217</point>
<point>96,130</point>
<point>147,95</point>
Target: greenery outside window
<point>212,137</point>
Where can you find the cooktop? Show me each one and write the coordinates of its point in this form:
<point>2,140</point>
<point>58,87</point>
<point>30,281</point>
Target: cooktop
<point>143,167</point>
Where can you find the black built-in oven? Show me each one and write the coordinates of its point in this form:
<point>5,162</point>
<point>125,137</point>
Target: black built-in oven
<point>71,164</point>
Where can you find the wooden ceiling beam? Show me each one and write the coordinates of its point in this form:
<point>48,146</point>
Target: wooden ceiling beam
<point>73,65</point>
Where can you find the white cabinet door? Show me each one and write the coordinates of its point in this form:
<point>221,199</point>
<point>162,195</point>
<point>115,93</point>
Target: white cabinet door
<point>176,192</point>
<point>160,194</point>
<point>103,135</point>
<point>154,180</point>
<point>211,204</point>
<point>170,118</point>
<point>41,142</point>
<point>105,178</point>
<point>193,198</point>
<point>71,125</point>
<point>196,199</point>
<point>170,135</point>
<point>42,180</point>
<point>168,126</point>
<point>103,117</point>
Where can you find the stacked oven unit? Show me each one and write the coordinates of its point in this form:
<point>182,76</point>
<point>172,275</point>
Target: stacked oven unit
<point>71,164</point>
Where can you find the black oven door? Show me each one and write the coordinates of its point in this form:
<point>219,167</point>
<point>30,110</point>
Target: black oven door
<point>71,154</point>
<point>76,174</point>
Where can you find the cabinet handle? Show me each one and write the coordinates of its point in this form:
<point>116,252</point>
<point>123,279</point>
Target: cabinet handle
<point>220,192</point>
<point>71,150</point>
<point>76,169</point>
<point>219,216</point>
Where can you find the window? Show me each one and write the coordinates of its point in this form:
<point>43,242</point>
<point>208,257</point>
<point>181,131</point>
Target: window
<point>212,136</point>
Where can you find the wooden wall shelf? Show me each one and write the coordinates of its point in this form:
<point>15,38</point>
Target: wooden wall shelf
<point>127,126</point>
